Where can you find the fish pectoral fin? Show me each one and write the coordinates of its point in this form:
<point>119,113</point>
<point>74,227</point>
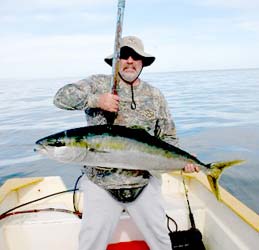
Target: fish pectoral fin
<point>97,151</point>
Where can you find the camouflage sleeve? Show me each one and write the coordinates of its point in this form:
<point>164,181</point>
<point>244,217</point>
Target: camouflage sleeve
<point>80,95</point>
<point>166,124</point>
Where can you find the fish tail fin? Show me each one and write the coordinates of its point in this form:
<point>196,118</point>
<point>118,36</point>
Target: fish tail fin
<point>215,172</point>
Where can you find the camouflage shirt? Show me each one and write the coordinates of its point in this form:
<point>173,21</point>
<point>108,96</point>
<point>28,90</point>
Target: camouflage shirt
<point>151,113</point>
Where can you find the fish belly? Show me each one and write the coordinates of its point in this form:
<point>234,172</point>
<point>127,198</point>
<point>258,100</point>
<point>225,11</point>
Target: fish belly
<point>133,160</point>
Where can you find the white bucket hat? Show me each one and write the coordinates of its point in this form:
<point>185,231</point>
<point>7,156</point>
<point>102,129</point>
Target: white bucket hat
<point>135,44</point>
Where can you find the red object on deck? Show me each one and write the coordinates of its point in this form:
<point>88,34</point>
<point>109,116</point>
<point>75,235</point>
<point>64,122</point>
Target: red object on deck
<point>130,245</point>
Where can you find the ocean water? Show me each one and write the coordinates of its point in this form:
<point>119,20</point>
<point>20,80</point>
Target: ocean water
<point>216,115</point>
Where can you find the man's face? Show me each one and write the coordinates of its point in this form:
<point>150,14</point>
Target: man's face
<point>130,64</point>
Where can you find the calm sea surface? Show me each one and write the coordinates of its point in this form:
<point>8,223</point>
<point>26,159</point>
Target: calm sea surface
<point>216,115</point>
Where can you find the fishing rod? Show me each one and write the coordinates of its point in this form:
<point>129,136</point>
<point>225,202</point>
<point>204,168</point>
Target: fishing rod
<point>116,56</point>
<point>12,212</point>
<point>37,210</point>
<point>117,45</point>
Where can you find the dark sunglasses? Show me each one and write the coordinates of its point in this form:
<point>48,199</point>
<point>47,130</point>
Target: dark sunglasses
<point>125,53</point>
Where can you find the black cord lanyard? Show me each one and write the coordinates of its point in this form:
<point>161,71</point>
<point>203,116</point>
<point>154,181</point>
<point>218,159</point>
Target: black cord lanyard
<point>133,104</point>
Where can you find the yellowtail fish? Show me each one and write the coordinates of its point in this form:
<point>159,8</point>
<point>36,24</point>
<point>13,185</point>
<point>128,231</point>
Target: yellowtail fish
<point>116,146</point>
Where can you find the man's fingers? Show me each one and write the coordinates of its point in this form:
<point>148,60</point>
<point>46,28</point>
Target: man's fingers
<point>190,168</point>
<point>109,102</point>
<point>116,97</point>
<point>114,108</point>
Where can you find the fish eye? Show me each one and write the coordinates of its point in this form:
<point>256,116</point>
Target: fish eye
<point>56,143</point>
<point>60,144</point>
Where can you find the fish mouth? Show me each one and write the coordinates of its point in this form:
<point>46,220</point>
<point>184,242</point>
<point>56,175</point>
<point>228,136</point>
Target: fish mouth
<point>40,147</point>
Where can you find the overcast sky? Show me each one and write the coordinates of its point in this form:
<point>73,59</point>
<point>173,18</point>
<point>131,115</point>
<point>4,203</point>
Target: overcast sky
<point>63,38</point>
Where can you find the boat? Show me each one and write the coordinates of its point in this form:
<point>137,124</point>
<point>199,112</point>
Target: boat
<point>51,224</point>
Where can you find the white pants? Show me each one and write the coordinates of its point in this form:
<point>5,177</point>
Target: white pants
<point>101,214</point>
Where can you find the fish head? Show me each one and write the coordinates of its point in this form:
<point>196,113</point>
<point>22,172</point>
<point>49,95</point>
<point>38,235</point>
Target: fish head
<point>63,147</point>
<point>54,146</point>
<point>46,143</point>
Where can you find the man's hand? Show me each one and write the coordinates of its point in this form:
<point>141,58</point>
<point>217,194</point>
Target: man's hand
<point>190,168</point>
<point>109,102</point>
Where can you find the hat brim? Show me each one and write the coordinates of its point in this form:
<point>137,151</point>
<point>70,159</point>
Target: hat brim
<point>146,58</point>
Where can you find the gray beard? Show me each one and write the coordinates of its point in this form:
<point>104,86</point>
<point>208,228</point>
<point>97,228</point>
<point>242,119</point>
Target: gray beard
<point>129,77</point>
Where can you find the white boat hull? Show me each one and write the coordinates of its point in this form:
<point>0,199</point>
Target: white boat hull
<point>221,226</point>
